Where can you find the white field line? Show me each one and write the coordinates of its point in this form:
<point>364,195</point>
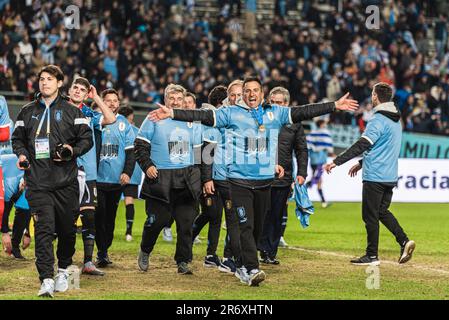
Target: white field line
<point>393,263</point>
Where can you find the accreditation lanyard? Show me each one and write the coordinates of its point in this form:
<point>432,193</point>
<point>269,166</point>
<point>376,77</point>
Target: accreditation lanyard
<point>257,114</point>
<point>42,145</point>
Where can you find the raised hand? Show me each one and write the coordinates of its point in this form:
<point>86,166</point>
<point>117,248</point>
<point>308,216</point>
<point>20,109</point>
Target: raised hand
<point>346,104</point>
<point>160,114</point>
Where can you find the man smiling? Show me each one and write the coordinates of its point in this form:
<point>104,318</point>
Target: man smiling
<point>253,129</point>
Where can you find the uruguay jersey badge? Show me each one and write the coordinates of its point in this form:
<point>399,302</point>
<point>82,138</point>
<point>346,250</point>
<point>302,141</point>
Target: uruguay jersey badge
<point>58,115</point>
<point>122,126</point>
<point>270,115</point>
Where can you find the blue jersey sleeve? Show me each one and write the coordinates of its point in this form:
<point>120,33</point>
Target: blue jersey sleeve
<point>222,117</point>
<point>284,115</point>
<point>4,114</point>
<point>129,137</point>
<point>146,131</point>
<point>373,131</point>
<point>97,118</point>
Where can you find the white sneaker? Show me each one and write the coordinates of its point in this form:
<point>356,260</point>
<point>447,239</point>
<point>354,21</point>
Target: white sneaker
<point>256,276</point>
<point>197,240</point>
<point>242,274</point>
<point>167,235</point>
<point>62,280</point>
<point>47,288</point>
<point>129,238</point>
<point>282,243</point>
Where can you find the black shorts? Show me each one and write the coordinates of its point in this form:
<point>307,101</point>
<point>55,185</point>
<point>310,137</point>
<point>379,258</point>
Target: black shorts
<point>131,190</point>
<point>90,195</point>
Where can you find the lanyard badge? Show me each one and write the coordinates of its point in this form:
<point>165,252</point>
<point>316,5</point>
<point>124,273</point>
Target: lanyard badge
<point>42,145</point>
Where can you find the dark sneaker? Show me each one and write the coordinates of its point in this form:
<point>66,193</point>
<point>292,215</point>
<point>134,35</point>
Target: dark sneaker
<point>212,261</point>
<point>228,266</point>
<point>366,261</point>
<point>256,276</point>
<point>143,260</point>
<point>183,268</point>
<point>268,260</point>
<point>15,252</point>
<point>103,262</point>
<point>90,269</point>
<point>407,251</point>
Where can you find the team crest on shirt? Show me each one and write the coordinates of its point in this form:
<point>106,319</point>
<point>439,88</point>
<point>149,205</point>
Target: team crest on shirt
<point>241,213</point>
<point>121,126</point>
<point>270,115</point>
<point>189,125</point>
<point>58,115</point>
<point>228,204</point>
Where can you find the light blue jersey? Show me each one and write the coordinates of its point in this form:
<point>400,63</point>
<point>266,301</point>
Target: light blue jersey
<point>136,178</point>
<point>172,142</point>
<point>380,162</point>
<point>116,138</point>
<point>5,121</point>
<point>89,160</point>
<point>11,175</point>
<point>219,167</point>
<point>250,147</point>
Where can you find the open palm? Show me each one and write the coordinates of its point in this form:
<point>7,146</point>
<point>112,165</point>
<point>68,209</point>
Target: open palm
<point>160,114</point>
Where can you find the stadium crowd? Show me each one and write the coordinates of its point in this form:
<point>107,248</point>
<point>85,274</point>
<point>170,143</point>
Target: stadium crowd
<point>140,47</point>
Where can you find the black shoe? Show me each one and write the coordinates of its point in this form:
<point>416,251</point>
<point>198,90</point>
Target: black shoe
<point>268,260</point>
<point>15,252</point>
<point>407,251</point>
<point>103,262</point>
<point>183,268</point>
<point>212,261</point>
<point>366,261</point>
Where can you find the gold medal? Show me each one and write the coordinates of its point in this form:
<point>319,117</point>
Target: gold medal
<point>208,202</point>
<point>262,128</point>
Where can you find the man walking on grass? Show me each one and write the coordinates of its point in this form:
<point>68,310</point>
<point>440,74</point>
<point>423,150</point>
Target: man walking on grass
<point>380,145</point>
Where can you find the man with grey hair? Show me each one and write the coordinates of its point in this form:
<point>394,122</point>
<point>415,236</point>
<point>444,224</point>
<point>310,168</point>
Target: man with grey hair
<point>172,185</point>
<point>291,139</point>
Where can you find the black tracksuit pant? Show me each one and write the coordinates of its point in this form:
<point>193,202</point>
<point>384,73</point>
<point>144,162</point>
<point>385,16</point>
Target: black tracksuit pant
<point>108,201</point>
<point>183,207</point>
<point>375,203</point>
<point>212,212</point>
<point>251,206</point>
<point>273,226</point>
<point>21,223</point>
<point>54,214</point>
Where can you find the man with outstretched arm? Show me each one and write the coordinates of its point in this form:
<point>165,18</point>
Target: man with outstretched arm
<point>253,130</point>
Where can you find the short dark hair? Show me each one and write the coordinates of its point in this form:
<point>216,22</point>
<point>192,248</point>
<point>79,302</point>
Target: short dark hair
<point>320,122</point>
<point>191,95</point>
<point>383,91</point>
<point>104,93</point>
<point>217,95</point>
<point>82,81</point>
<point>126,111</point>
<point>55,71</point>
<point>252,79</point>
